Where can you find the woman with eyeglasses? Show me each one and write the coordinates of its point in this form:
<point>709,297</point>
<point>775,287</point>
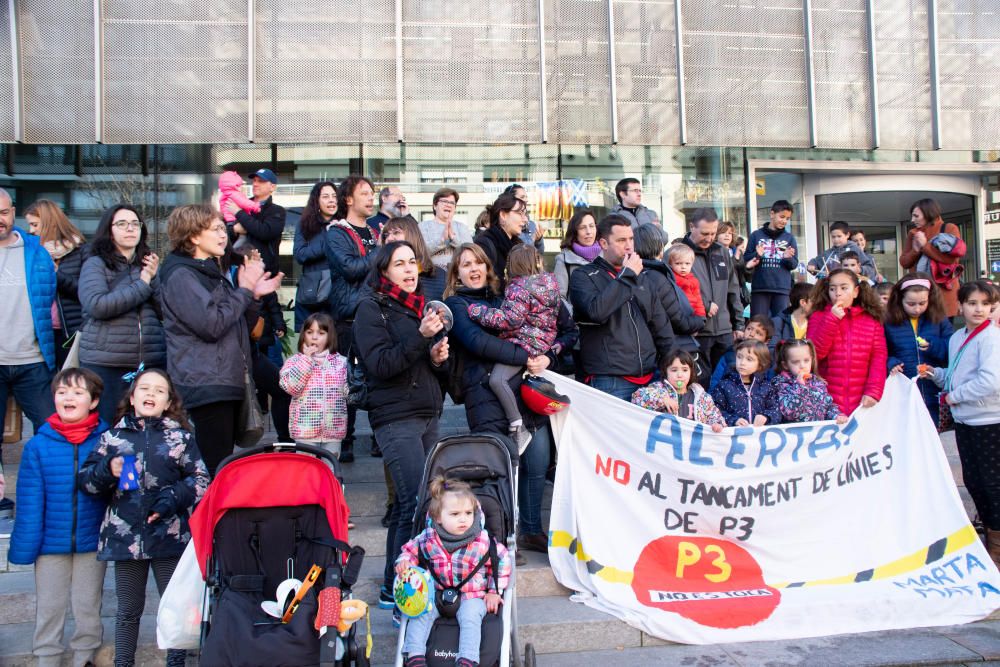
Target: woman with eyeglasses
<point>119,294</point>
<point>508,215</point>
<point>443,233</point>
<point>206,320</point>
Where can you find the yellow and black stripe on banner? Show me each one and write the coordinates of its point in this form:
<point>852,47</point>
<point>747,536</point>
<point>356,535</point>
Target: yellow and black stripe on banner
<point>932,553</point>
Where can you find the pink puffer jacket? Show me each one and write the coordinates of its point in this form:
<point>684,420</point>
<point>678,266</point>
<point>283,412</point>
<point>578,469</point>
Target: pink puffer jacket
<point>231,188</point>
<point>851,353</point>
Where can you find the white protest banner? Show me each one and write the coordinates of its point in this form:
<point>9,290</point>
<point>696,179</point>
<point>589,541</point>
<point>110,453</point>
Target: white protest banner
<point>798,530</point>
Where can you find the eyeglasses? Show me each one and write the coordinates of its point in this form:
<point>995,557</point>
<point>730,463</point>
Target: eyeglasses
<point>126,224</point>
<point>217,229</point>
<point>452,202</point>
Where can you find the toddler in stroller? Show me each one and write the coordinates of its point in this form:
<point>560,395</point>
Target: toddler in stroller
<point>470,569</point>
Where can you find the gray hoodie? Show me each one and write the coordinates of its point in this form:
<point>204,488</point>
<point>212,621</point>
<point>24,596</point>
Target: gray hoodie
<point>975,381</point>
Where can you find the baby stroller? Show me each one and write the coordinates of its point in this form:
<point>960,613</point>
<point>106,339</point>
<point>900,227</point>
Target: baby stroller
<point>485,462</point>
<point>274,513</point>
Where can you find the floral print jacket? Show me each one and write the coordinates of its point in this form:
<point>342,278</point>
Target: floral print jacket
<point>798,402</point>
<point>172,478</point>
<point>655,394</point>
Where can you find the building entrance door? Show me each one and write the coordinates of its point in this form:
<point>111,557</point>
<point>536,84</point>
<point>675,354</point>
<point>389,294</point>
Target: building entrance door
<point>884,217</point>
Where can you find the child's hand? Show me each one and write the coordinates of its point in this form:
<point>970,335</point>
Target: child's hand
<point>868,402</point>
<point>838,311</point>
<point>493,602</point>
<point>401,567</point>
<point>671,405</point>
<point>309,349</point>
<point>753,263</point>
<point>925,371</point>
<point>116,466</point>
<point>896,370</point>
<point>759,420</point>
<point>742,422</point>
<point>842,419</point>
<point>153,517</point>
<point>716,428</point>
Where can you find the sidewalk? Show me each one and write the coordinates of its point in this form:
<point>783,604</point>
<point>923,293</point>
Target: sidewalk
<point>563,632</point>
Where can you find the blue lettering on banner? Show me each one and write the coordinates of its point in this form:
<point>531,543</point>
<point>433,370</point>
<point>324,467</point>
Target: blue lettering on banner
<point>748,446</point>
<point>949,579</point>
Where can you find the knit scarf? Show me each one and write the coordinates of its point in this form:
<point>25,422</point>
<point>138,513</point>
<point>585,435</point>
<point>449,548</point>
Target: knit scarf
<point>58,249</point>
<point>76,432</point>
<point>588,252</point>
<point>452,543</point>
<point>414,302</point>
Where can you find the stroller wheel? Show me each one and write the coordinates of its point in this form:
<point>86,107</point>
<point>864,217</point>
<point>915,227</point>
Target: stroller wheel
<point>530,660</point>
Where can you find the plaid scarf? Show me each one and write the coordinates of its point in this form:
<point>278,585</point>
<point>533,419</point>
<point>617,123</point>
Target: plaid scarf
<point>414,302</point>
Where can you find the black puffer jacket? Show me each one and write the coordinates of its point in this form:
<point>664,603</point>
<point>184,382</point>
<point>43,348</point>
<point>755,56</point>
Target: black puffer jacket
<point>208,340</point>
<point>623,326</point>
<point>264,231</point>
<point>68,289</point>
<point>349,264</point>
<point>480,348</point>
<point>122,325</point>
<point>173,477</point>
<point>682,318</point>
<point>402,383</point>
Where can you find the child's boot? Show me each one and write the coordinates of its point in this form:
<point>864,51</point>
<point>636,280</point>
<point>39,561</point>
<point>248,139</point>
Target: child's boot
<point>415,661</point>
<point>465,662</point>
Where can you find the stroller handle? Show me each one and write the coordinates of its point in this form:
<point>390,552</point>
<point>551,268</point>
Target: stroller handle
<point>276,447</point>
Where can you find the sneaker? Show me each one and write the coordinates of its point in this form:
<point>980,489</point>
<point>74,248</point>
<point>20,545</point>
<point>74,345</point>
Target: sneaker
<point>6,508</point>
<point>385,599</point>
<point>397,619</point>
<point>521,436</point>
<point>346,457</point>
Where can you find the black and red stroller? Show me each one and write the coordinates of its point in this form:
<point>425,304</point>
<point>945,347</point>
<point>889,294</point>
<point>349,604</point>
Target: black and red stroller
<point>489,466</point>
<point>275,513</point>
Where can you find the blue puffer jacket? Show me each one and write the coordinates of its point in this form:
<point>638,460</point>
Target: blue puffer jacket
<point>902,346</point>
<point>54,516</point>
<point>41,280</point>
<point>736,401</point>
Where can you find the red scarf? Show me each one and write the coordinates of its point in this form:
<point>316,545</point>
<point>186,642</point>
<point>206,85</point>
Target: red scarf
<point>414,302</point>
<point>77,432</point>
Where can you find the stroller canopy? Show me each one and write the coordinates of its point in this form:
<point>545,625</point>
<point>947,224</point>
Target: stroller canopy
<point>268,480</point>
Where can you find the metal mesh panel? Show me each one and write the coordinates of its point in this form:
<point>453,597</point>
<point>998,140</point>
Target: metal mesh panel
<point>646,72</point>
<point>6,79</point>
<point>841,74</point>
<point>471,71</point>
<point>576,56</point>
<point>744,67</point>
<point>325,76</point>
<point>56,40</point>
<point>904,84</point>
<point>969,57</point>
<point>174,73</point>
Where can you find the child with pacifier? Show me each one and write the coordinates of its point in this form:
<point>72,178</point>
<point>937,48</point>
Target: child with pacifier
<point>678,395</point>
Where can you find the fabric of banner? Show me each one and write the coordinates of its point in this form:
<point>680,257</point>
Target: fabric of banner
<point>797,530</point>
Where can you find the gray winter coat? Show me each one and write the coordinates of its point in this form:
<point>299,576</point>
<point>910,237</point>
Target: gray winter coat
<point>717,278</point>
<point>642,215</point>
<point>208,340</point>
<point>121,321</point>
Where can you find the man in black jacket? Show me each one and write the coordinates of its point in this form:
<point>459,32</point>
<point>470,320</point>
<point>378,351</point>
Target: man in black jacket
<point>623,326</point>
<point>263,229</point>
<point>720,289</point>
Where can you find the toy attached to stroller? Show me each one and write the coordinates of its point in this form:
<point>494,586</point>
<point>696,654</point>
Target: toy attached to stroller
<point>483,462</point>
<point>270,537</point>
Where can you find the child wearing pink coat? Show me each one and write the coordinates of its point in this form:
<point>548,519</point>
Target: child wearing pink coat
<point>231,189</point>
<point>316,379</point>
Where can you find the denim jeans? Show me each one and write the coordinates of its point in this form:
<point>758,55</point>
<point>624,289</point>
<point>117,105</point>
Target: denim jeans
<point>470,629</point>
<point>29,383</point>
<point>532,467</point>
<point>767,303</point>
<point>614,385</point>
<point>404,444</point>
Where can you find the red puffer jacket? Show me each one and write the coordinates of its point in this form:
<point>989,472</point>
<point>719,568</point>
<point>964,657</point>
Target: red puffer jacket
<point>851,353</point>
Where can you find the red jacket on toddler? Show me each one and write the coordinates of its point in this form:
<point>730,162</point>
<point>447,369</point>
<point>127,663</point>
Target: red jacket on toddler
<point>692,290</point>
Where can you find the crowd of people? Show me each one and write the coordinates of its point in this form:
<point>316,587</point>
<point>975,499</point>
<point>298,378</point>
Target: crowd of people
<point>149,352</point>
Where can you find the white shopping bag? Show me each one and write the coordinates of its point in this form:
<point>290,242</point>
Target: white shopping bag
<point>178,619</point>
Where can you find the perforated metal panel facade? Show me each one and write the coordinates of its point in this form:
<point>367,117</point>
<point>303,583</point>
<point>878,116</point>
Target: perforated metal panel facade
<point>325,76</point>
<point>969,74</point>
<point>175,72</point>
<point>841,74</point>
<point>578,80</point>
<point>745,73</point>
<point>6,78</point>
<point>471,71</point>
<point>646,71</point>
<point>904,85</point>
<point>57,70</point>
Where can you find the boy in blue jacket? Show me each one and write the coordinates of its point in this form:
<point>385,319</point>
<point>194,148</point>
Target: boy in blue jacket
<point>774,253</point>
<point>57,524</point>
